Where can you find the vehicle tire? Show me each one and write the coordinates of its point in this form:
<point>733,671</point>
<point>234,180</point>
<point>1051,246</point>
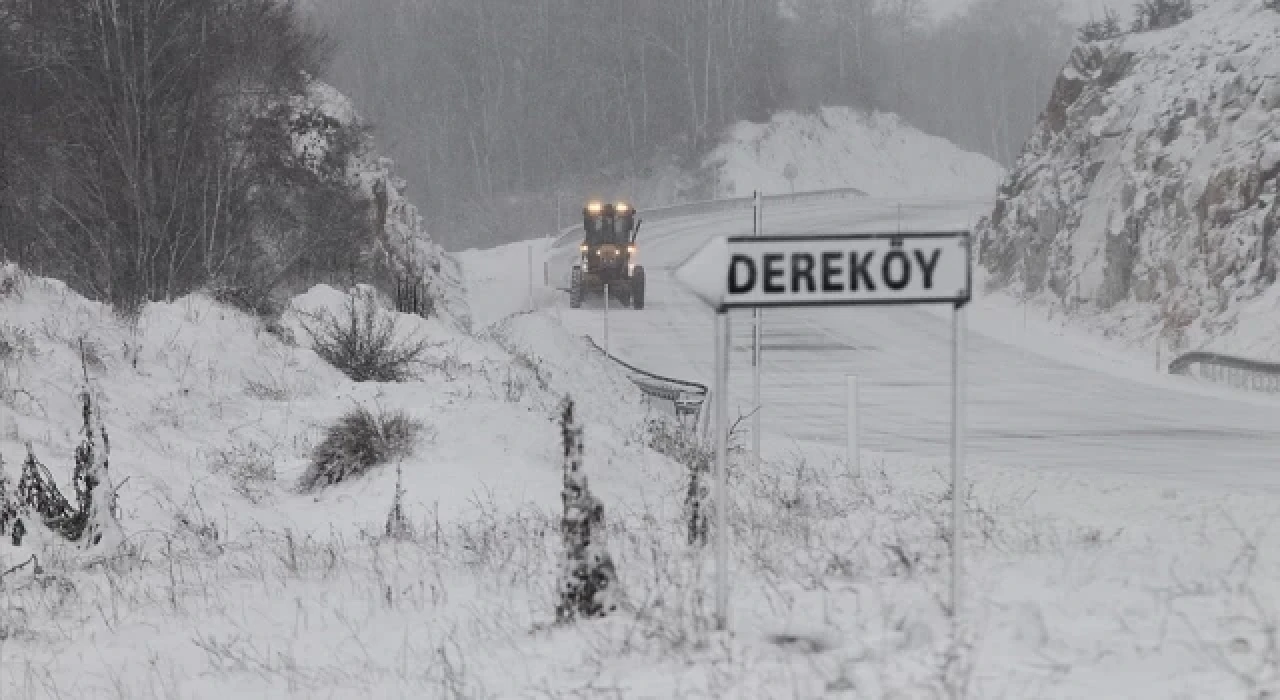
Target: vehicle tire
<point>637,288</point>
<point>575,289</point>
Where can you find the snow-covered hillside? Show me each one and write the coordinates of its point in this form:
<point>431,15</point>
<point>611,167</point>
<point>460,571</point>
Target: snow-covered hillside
<point>1146,199</point>
<point>877,153</point>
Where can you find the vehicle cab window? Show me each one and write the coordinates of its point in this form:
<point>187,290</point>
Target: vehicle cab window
<point>622,228</point>
<point>599,230</point>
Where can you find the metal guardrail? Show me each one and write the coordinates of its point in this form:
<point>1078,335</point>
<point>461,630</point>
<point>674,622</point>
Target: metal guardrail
<point>688,397</point>
<point>1239,372</point>
<point>715,206</point>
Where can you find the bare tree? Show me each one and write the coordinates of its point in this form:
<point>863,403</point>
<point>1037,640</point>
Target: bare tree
<point>153,144</point>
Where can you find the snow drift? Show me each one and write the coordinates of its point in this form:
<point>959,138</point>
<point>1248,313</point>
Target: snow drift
<point>877,153</point>
<point>1147,193</point>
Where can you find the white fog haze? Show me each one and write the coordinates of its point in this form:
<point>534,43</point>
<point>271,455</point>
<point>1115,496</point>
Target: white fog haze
<point>1076,11</point>
<point>489,108</point>
<point>743,349</point>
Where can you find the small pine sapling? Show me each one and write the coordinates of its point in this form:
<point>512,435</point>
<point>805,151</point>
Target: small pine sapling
<point>39,494</point>
<point>1103,29</point>
<point>588,580</point>
<point>96,522</point>
<point>398,526</point>
<point>697,499</point>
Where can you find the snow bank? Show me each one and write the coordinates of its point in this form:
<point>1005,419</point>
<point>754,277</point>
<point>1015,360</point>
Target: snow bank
<point>193,384</point>
<point>835,147</point>
<point>500,278</point>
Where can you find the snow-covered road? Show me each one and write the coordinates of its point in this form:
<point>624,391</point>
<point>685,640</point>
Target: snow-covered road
<point>1025,407</point>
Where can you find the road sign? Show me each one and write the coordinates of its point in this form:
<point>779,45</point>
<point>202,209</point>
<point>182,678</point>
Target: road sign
<point>831,270</point>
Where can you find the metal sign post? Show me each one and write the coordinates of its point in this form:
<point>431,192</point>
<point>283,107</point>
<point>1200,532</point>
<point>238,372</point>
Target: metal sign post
<point>722,471</point>
<point>833,270</point>
<point>757,334</point>
<point>606,319</point>
<point>957,462</point>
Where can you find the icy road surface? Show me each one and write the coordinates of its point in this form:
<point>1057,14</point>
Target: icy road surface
<point>1025,407</point>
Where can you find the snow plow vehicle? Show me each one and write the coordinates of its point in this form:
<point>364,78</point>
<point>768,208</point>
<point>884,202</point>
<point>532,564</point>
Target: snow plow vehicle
<point>608,256</point>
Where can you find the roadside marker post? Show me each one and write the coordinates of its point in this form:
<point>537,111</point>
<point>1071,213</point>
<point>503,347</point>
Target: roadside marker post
<point>606,319</point>
<point>868,269</point>
<point>851,426</point>
<point>531,277</point>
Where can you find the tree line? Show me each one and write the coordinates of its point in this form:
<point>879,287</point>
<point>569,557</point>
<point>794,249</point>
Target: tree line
<point>489,106</point>
<point>149,147</point>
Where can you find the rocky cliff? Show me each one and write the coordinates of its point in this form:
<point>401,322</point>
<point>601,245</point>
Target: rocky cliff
<point>1148,190</point>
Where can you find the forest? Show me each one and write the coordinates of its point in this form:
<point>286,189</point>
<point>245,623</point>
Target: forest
<point>148,147</point>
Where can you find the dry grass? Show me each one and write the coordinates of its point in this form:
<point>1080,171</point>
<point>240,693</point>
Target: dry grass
<point>837,581</point>
<point>359,441</point>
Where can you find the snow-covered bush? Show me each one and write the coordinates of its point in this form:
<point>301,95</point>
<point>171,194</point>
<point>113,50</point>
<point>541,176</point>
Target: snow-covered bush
<point>364,343</point>
<point>92,521</point>
<point>359,441</point>
<point>684,447</point>
<point>1101,29</point>
<point>12,278</point>
<point>251,468</point>
<point>253,301</point>
<point>15,344</point>
<point>588,580</point>
<point>1149,15</point>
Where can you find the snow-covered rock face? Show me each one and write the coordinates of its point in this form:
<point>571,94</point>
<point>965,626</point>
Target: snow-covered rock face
<point>1151,179</point>
<point>408,244</point>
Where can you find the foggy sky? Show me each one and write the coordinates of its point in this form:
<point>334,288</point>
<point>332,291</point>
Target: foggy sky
<point>1074,10</point>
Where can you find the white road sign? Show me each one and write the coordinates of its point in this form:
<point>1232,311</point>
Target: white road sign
<point>831,270</point>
